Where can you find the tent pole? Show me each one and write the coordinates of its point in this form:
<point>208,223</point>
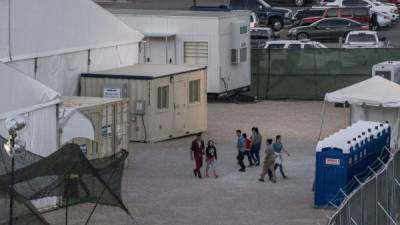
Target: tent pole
<point>322,121</point>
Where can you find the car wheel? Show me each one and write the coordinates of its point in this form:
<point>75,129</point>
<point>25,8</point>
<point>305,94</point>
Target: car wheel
<point>299,2</point>
<point>302,36</point>
<point>276,24</point>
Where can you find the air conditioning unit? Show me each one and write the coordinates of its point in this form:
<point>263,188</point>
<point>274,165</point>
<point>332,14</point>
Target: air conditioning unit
<point>235,56</point>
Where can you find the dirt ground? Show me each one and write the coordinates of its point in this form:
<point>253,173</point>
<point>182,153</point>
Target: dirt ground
<point>160,189</point>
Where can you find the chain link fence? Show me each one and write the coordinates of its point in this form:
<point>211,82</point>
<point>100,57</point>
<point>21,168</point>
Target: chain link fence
<point>374,197</point>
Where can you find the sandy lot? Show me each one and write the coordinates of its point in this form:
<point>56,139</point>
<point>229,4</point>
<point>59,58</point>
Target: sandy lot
<point>160,189</point>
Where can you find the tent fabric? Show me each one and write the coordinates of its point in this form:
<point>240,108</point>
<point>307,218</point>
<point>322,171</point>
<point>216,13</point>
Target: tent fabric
<point>62,72</point>
<point>375,91</point>
<point>76,25</point>
<point>19,91</point>
<point>74,124</point>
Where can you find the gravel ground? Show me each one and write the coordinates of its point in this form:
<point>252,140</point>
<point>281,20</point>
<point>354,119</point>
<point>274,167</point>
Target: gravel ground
<point>160,189</point>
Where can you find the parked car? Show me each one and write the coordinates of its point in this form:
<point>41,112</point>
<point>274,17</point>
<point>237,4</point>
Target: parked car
<point>294,44</point>
<point>273,17</point>
<point>374,6</point>
<point>329,3</point>
<point>297,3</point>
<point>260,35</point>
<point>254,21</point>
<point>364,39</point>
<point>394,2</point>
<point>305,13</point>
<point>359,14</point>
<point>326,29</point>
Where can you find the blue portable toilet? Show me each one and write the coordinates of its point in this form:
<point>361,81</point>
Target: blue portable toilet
<point>343,155</point>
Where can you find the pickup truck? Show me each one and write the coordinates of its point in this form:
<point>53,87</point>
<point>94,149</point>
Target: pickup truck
<point>364,39</point>
<point>273,17</point>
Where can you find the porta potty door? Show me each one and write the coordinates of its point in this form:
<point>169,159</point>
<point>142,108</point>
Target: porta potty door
<point>180,101</point>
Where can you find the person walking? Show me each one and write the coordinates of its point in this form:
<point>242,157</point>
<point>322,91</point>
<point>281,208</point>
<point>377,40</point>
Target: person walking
<point>278,148</point>
<point>256,145</point>
<point>241,151</point>
<point>211,158</point>
<point>248,146</point>
<point>269,163</point>
<point>374,21</point>
<point>196,153</point>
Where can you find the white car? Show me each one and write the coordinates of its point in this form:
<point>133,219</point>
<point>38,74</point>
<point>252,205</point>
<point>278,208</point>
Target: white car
<point>384,20</point>
<point>379,7</point>
<point>363,39</point>
<point>294,44</point>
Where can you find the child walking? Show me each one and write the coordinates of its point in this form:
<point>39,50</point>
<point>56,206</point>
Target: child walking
<point>247,146</point>
<point>211,158</point>
<point>278,148</point>
<point>269,163</point>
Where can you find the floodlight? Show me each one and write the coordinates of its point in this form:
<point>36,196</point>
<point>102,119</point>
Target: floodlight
<point>18,149</point>
<point>15,123</point>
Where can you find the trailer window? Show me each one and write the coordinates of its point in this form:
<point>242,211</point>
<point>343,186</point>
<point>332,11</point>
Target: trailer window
<point>163,97</point>
<point>194,91</point>
<point>196,53</point>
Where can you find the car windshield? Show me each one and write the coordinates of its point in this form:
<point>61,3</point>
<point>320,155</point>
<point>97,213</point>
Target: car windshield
<point>263,3</point>
<point>362,38</point>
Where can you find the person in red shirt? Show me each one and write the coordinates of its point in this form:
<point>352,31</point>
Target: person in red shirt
<point>247,147</point>
<point>196,153</point>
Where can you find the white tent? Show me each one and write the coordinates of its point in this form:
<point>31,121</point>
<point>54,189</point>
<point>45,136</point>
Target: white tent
<point>74,124</point>
<point>23,95</point>
<point>53,41</point>
<point>375,99</point>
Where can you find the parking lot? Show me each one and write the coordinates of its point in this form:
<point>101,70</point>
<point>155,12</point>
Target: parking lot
<point>160,189</point>
<point>391,33</point>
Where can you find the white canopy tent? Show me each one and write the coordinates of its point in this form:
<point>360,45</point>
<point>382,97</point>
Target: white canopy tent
<point>375,99</point>
<point>53,41</point>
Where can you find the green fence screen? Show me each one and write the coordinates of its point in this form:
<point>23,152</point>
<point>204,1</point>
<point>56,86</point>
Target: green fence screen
<point>307,74</point>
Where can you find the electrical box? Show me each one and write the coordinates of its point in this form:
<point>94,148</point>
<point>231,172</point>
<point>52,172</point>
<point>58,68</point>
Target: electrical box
<point>239,35</point>
<point>139,107</point>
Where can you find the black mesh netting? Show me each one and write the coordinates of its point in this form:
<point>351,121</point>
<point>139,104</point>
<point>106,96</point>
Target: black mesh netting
<point>66,173</point>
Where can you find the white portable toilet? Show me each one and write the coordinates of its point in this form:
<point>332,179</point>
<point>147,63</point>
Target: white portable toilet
<point>389,70</point>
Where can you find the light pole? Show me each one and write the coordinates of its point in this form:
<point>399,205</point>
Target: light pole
<point>14,147</point>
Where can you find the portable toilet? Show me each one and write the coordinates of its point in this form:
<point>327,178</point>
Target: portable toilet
<point>344,155</point>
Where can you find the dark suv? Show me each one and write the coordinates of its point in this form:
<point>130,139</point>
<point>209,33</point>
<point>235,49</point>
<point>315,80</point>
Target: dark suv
<point>273,17</point>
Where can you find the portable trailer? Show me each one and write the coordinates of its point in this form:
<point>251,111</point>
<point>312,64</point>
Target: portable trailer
<point>165,101</point>
<point>389,70</point>
<point>219,40</point>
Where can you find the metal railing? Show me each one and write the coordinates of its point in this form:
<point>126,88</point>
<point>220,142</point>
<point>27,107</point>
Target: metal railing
<point>374,195</point>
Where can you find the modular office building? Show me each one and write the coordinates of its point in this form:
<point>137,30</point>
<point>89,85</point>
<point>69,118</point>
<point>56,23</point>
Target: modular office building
<point>165,101</point>
<point>219,40</point>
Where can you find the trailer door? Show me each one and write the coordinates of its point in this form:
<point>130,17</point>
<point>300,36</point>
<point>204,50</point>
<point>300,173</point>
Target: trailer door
<point>180,101</point>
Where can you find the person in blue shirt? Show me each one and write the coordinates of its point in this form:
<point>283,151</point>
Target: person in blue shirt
<point>240,145</point>
<point>278,149</point>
